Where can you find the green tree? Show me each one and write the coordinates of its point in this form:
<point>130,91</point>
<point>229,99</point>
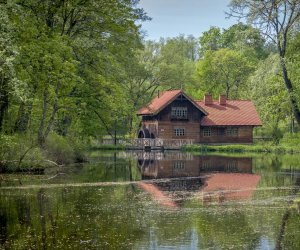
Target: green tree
<point>266,88</point>
<point>177,61</point>
<point>223,71</point>
<point>72,60</point>
<point>245,39</point>
<point>210,40</point>
<point>293,63</point>
<point>276,20</point>
<point>142,78</point>
<point>7,58</point>
<point>240,37</point>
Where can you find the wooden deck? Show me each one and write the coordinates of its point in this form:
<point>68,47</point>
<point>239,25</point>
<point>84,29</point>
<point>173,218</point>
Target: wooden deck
<point>157,143</point>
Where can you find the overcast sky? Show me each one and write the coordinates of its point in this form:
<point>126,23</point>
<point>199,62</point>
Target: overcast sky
<point>190,17</point>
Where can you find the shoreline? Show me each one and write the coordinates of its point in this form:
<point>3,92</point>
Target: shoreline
<point>242,148</point>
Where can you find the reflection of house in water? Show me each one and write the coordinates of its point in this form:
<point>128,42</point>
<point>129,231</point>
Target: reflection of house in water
<point>226,164</point>
<point>229,186</point>
<point>171,165</point>
<point>213,177</point>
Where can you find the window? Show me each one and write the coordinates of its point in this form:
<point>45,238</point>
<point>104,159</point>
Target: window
<point>179,131</point>
<point>206,132</point>
<point>206,165</point>
<point>232,131</point>
<point>179,113</point>
<point>231,166</point>
<point>221,131</point>
<point>178,165</point>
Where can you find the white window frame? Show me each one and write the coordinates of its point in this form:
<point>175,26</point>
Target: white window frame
<point>179,131</point>
<point>232,131</point>
<point>178,165</point>
<point>206,132</point>
<point>179,113</point>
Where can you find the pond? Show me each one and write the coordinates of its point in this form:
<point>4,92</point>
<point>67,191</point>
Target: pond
<point>170,200</point>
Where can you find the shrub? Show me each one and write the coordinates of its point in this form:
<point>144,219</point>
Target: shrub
<point>291,139</point>
<point>18,151</point>
<point>58,149</point>
<point>79,149</point>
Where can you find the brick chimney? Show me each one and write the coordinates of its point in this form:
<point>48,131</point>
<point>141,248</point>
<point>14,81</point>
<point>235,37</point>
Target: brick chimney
<point>208,99</point>
<point>222,99</point>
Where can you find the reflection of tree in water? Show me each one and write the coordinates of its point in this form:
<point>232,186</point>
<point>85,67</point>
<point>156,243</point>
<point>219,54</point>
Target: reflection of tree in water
<point>42,206</point>
<point>79,218</point>
<point>226,229</point>
<point>23,208</point>
<point>3,226</point>
<point>286,238</point>
<point>121,217</point>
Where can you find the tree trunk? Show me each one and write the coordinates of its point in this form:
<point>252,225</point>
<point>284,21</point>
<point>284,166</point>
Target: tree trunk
<point>51,120</point>
<point>289,86</point>
<point>22,121</point>
<point>41,138</point>
<point>115,136</point>
<point>3,102</point>
<point>3,109</point>
<point>227,92</point>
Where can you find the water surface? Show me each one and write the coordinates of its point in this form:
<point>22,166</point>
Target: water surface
<point>166,200</point>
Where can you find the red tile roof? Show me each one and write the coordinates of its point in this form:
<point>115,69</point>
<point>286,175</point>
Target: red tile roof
<point>157,194</point>
<point>234,113</point>
<point>158,102</point>
<point>161,101</point>
<point>230,186</point>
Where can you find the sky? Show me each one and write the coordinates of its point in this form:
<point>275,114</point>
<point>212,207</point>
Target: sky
<point>171,18</point>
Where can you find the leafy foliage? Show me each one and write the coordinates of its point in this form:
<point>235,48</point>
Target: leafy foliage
<point>75,70</point>
<point>223,71</point>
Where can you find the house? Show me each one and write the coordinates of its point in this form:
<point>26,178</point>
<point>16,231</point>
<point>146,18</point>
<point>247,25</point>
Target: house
<point>174,115</point>
<point>175,165</point>
<point>178,177</point>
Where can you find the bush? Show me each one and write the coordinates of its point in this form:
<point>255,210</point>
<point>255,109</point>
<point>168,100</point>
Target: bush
<point>8,145</point>
<point>18,151</point>
<point>58,149</point>
<point>291,139</point>
<point>79,148</point>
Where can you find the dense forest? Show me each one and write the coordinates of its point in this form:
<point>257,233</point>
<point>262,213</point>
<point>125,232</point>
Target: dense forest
<point>76,70</point>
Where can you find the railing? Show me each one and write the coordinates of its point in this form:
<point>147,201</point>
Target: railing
<point>158,142</point>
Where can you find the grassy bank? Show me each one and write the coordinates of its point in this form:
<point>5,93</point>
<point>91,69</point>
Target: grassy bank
<point>241,148</point>
<point>289,144</point>
<point>108,147</point>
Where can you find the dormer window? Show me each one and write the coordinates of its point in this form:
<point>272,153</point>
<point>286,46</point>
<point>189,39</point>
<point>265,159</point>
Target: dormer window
<point>179,113</point>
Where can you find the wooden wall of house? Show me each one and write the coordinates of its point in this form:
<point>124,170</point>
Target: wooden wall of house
<point>245,135</point>
<point>194,114</point>
<point>162,125</point>
<point>211,163</point>
<point>170,168</point>
<point>165,130</point>
<point>192,130</point>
